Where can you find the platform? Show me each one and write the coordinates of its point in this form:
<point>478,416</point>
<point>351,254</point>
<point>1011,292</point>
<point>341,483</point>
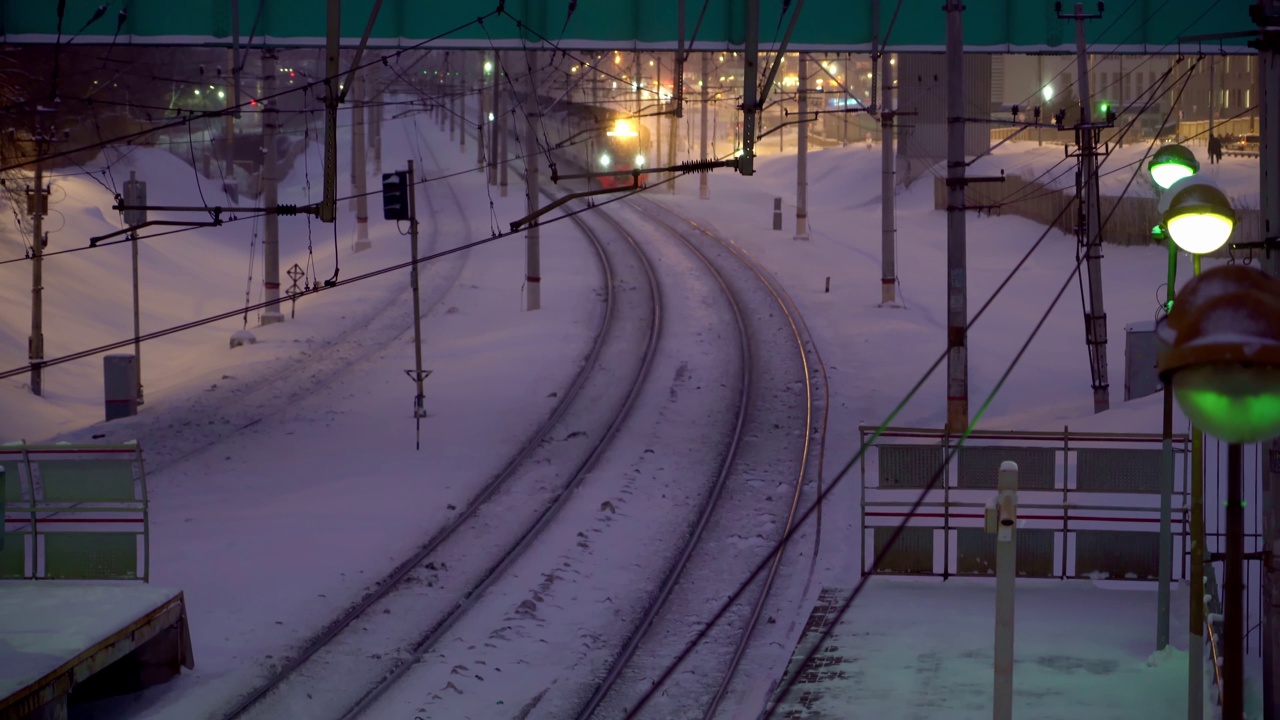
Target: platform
<point>57,638</point>
<point>915,650</point>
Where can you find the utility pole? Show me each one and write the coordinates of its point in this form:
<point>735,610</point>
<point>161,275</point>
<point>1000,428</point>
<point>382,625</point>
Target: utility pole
<point>1267,17</point>
<point>888,232</point>
<point>657,120</point>
<point>461,95</point>
<point>495,108</point>
<point>677,83</point>
<point>418,375</point>
<point>504,134</point>
<point>704,189</point>
<point>374,122</point>
<point>481,97</point>
<point>39,206</point>
<point>270,222</point>
<point>533,272</point>
<point>135,194</point>
<point>1233,592</point>
<point>452,95</point>
<point>802,152</point>
<point>957,284</point>
<point>359,165</point>
<point>1089,221</point>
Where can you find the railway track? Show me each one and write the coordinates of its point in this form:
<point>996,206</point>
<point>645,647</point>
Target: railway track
<point>424,596</point>
<point>692,582</point>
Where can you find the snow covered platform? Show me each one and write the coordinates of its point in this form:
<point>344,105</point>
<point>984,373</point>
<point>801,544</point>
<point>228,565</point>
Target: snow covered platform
<point>924,649</point>
<point>59,638</point>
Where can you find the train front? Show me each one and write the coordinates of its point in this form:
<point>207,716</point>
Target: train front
<point>624,147</point>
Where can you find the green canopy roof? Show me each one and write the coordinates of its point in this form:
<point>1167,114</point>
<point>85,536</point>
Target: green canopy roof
<point>1024,26</point>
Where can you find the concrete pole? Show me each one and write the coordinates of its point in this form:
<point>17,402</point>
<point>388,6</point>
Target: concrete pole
<point>35,345</point>
<point>137,308</point>
<point>674,137</point>
<point>533,271</point>
<point>461,90</point>
<point>1212,73</point>
<point>1006,512</point>
<point>1166,510</point>
<point>635,79</point>
<point>495,107</point>
<point>229,123</point>
<point>482,122</point>
<point>657,120</point>
<point>704,189</point>
<point>888,231</point>
<point>1096,317</point>
<point>802,152</point>
<point>359,165</point>
<point>1269,163</point>
<point>270,222</point>
<point>957,283</point>
<point>504,153</point>
<point>1195,643</point>
<point>452,95</point>
<point>373,119</point>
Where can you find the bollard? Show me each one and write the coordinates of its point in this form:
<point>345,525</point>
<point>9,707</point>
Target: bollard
<point>1002,521</point>
<point>777,213</point>
<point>120,385</point>
<point>828,284</point>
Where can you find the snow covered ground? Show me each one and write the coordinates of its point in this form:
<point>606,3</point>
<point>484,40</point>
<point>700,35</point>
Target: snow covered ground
<point>273,529</point>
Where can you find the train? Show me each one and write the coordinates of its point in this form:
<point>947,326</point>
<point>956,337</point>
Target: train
<point>596,139</point>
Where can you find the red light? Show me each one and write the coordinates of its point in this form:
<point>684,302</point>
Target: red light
<point>291,73</point>
<point>253,102</point>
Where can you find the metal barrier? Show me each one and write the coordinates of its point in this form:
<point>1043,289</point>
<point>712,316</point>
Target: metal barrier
<point>74,512</point>
<point>1088,502</point>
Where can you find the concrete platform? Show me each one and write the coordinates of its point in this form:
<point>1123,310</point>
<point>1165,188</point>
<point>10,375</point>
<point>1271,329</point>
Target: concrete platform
<point>917,650</point>
<point>60,638</point>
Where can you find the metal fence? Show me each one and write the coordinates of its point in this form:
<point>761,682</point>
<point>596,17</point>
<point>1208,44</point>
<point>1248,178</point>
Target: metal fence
<point>74,512</point>
<point>1088,503</point>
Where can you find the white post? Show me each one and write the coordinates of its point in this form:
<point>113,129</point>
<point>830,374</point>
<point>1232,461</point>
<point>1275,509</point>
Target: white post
<point>271,221</point>
<point>802,154</point>
<point>1002,521</point>
<point>359,163</point>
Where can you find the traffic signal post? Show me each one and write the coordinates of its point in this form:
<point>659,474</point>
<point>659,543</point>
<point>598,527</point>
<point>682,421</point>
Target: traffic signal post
<point>398,204</point>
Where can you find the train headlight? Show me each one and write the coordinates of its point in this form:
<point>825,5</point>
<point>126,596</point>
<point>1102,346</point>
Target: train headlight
<point>605,160</point>
<point>640,161</point>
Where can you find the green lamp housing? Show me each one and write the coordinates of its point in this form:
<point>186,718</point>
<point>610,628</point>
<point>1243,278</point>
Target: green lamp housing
<point>1221,352</point>
<point>1197,215</point>
<point>1170,164</point>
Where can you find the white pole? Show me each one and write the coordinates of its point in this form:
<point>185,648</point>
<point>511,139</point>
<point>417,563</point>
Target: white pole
<point>271,222</point>
<point>1002,519</point>
<point>359,162</point>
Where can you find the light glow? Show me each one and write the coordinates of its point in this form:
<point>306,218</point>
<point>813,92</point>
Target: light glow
<point>640,161</point>
<point>1235,403</point>
<point>622,128</point>
<point>1047,92</point>
<point>1199,233</point>
<point>605,160</point>
<point>1166,174</point>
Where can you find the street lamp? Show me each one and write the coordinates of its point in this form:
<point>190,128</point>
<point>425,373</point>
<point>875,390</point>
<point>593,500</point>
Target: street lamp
<point>1221,343</point>
<point>1170,164</point>
<point>1197,215</point>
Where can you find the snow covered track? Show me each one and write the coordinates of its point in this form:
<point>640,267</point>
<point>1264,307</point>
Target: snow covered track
<point>373,643</point>
<point>753,504</point>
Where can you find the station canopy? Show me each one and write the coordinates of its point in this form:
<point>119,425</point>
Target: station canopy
<point>998,26</point>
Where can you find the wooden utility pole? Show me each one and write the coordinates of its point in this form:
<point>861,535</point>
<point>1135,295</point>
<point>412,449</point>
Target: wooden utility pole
<point>39,206</point>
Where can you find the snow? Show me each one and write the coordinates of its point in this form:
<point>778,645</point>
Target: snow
<point>284,477</point>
